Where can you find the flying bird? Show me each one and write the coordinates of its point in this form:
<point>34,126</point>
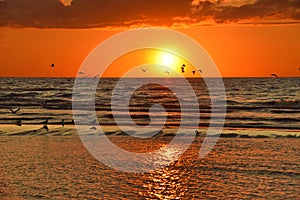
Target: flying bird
<point>200,70</point>
<point>87,76</point>
<point>14,111</point>
<point>96,76</point>
<point>194,72</point>
<point>144,70</point>
<point>182,68</point>
<point>275,75</point>
<point>167,72</point>
<point>52,65</point>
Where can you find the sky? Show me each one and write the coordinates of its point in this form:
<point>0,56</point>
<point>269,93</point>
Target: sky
<point>245,38</point>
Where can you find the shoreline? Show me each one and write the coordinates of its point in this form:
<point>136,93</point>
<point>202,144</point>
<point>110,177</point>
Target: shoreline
<point>70,130</point>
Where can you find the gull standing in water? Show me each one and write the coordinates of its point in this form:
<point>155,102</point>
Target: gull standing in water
<point>44,104</point>
<point>46,127</point>
<point>19,122</point>
<point>45,122</point>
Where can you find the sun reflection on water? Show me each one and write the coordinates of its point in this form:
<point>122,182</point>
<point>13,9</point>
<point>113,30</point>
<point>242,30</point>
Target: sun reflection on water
<point>164,184</point>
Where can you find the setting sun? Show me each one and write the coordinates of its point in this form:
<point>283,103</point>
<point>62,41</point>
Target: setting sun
<point>167,59</point>
<point>149,63</point>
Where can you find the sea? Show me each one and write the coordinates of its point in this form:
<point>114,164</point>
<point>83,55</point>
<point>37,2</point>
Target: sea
<point>255,103</point>
<point>256,157</point>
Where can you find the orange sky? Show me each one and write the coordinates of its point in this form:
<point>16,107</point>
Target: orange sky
<point>255,44</point>
<point>237,50</point>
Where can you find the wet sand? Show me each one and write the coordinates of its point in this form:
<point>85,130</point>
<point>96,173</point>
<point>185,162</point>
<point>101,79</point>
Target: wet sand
<point>59,167</point>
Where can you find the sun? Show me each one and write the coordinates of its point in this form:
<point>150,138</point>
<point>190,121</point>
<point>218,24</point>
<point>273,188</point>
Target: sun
<point>167,59</point>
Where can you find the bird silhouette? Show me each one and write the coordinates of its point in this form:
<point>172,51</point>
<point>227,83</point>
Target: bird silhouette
<point>52,65</point>
<point>182,68</point>
<point>44,104</point>
<point>193,72</point>
<point>19,122</point>
<point>144,70</point>
<point>14,111</point>
<point>200,70</point>
<point>167,72</point>
<point>96,76</point>
<point>63,122</point>
<point>80,73</point>
<point>46,127</point>
<point>45,122</point>
<point>275,75</point>
<point>86,76</point>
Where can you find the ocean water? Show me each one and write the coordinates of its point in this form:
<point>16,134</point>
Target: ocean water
<point>250,102</point>
<point>40,167</point>
<point>260,162</point>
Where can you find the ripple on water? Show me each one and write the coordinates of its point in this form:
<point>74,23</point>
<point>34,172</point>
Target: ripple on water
<point>60,168</point>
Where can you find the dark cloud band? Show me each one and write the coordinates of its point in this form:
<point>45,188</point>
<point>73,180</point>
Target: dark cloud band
<point>124,13</point>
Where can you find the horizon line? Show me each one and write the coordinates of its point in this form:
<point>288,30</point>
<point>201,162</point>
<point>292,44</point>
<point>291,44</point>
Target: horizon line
<point>74,77</point>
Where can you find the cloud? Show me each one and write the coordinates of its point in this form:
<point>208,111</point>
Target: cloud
<point>249,11</point>
<point>126,13</point>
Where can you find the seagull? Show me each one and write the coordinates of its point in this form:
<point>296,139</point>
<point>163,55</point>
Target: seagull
<point>144,70</point>
<point>167,72</point>
<point>182,68</point>
<point>96,76</point>
<point>46,127</point>
<point>52,65</point>
<point>275,75</point>
<point>19,123</point>
<point>87,76</point>
<point>14,111</point>
<point>44,104</point>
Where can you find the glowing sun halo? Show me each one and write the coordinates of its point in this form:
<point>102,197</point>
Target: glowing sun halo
<point>167,59</point>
